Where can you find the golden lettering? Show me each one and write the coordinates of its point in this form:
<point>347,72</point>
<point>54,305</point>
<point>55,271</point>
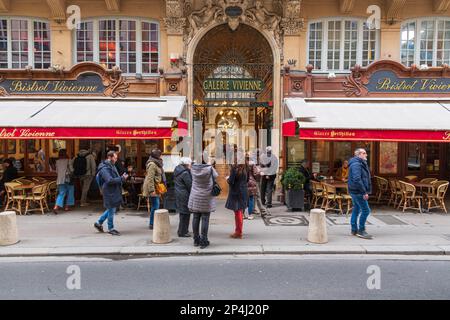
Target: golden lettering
<point>446,136</point>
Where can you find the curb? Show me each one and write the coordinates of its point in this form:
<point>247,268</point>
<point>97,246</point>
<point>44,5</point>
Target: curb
<point>245,250</point>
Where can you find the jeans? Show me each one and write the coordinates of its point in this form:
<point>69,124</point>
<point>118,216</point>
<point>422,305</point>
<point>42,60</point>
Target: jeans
<point>85,186</point>
<point>108,214</point>
<point>267,185</point>
<point>183,226</point>
<point>204,217</point>
<point>155,206</point>
<point>251,204</point>
<point>361,209</point>
<point>63,191</point>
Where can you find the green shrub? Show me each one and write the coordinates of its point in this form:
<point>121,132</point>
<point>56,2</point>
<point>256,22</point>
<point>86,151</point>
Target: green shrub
<point>293,179</point>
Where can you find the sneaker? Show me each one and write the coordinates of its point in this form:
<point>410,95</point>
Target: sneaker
<point>364,235</point>
<point>99,227</point>
<point>204,244</point>
<point>251,217</point>
<point>55,209</point>
<point>354,233</point>
<point>114,232</point>
<point>196,241</point>
<point>186,235</point>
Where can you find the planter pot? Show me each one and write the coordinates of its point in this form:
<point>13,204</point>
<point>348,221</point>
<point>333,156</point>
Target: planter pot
<point>295,199</point>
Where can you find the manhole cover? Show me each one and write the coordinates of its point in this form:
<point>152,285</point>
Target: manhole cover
<point>390,220</point>
<point>290,221</point>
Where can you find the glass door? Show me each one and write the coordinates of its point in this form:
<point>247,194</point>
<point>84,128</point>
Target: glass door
<point>433,160</point>
<point>415,159</point>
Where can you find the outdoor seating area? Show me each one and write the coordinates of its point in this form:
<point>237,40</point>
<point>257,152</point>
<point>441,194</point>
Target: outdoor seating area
<point>404,194</point>
<point>28,195</point>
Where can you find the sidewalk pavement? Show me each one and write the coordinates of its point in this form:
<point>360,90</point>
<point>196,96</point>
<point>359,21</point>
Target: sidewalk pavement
<point>72,233</point>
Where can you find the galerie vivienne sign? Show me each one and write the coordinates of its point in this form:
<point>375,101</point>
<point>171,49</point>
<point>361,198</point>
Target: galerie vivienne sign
<point>233,85</point>
<point>388,82</point>
<point>85,84</point>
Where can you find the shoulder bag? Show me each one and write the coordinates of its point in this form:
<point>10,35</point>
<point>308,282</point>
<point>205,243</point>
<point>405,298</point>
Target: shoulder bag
<point>216,189</point>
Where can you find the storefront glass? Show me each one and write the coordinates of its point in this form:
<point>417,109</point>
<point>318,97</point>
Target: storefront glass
<point>388,158</point>
<point>296,151</point>
<point>16,152</point>
<point>342,151</point>
<point>36,156</point>
<point>146,149</point>
<point>54,147</point>
<point>414,155</point>
<point>432,158</point>
<point>320,162</point>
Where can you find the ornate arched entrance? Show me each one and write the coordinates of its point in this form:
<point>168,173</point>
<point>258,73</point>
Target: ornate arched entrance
<point>233,69</point>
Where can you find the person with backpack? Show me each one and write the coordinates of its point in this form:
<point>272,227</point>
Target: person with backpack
<point>84,169</point>
<point>110,183</point>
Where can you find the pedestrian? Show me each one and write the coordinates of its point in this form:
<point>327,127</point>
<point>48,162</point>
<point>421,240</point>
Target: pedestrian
<point>237,200</point>
<point>201,201</point>
<point>110,182</point>
<point>183,185</point>
<point>304,170</point>
<point>9,174</point>
<point>254,174</point>
<point>269,167</point>
<point>154,176</point>
<point>64,182</point>
<point>359,187</point>
<point>85,168</point>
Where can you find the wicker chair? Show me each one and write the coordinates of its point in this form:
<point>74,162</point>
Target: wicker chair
<point>437,196</point>
<point>410,198</point>
<point>37,196</point>
<point>396,192</point>
<point>382,189</point>
<point>317,191</point>
<point>14,198</point>
<point>347,200</point>
<point>52,191</point>
<point>331,198</point>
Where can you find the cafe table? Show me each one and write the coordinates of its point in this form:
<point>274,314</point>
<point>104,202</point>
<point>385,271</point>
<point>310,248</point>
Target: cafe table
<point>24,188</point>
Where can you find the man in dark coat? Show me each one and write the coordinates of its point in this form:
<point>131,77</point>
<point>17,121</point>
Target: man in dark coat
<point>305,171</point>
<point>359,187</point>
<point>9,174</point>
<point>111,184</point>
<point>269,168</point>
<point>183,185</point>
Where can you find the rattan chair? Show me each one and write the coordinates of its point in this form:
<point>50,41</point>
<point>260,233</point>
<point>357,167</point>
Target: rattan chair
<point>317,191</point>
<point>347,200</point>
<point>382,189</point>
<point>332,199</point>
<point>395,191</point>
<point>437,196</point>
<point>14,198</point>
<point>52,191</point>
<point>410,198</point>
<point>38,196</point>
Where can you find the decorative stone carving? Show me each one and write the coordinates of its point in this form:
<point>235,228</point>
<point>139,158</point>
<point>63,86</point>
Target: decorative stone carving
<point>115,84</point>
<point>3,92</point>
<point>175,21</point>
<point>203,17</point>
<point>354,84</point>
<point>292,24</point>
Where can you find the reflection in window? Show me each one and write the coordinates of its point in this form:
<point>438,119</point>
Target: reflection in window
<point>320,161</point>
<point>296,150</point>
<point>36,155</point>
<point>55,146</point>
<point>414,157</point>
<point>342,151</point>
<point>16,152</point>
<point>388,160</point>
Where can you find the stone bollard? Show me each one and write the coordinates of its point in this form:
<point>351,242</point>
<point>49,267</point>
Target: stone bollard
<point>8,228</point>
<point>161,227</point>
<point>317,231</point>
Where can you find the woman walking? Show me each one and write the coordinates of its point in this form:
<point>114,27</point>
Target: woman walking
<point>238,196</point>
<point>201,201</point>
<point>64,182</point>
<point>252,172</point>
<point>183,185</point>
<point>154,175</point>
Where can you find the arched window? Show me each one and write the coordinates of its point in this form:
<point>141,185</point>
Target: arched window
<point>24,42</point>
<point>339,44</point>
<point>425,42</point>
<point>132,44</point>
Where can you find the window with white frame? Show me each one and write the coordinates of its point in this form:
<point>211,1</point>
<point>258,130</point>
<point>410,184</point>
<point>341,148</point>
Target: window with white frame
<point>339,44</point>
<point>131,44</point>
<point>425,42</point>
<point>24,42</point>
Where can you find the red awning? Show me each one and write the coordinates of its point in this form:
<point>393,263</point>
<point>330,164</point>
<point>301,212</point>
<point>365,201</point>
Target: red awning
<point>374,135</point>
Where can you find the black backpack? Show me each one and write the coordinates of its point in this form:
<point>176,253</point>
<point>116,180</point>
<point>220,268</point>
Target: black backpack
<point>79,166</point>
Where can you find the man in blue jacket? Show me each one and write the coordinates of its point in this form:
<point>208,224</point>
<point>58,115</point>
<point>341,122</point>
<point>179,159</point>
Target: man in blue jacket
<point>110,183</point>
<point>359,187</point>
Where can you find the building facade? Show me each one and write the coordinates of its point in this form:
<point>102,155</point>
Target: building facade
<point>237,64</point>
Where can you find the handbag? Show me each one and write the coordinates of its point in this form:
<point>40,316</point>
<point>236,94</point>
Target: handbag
<point>160,188</point>
<point>68,179</point>
<point>216,189</point>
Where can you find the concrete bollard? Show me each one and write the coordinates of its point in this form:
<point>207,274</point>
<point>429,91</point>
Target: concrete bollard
<point>8,228</point>
<point>161,227</point>
<point>317,231</point>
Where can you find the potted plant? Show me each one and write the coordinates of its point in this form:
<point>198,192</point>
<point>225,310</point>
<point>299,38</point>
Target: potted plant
<point>293,181</point>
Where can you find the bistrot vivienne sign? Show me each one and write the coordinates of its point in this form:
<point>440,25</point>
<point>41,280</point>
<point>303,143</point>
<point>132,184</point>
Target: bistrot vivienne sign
<point>85,84</point>
<point>386,81</point>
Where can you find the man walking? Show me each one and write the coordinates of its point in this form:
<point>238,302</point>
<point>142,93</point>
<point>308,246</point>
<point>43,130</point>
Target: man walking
<point>359,187</point>
<point>269,167</point>
<point>84,168</point>
<point>111,184</point>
